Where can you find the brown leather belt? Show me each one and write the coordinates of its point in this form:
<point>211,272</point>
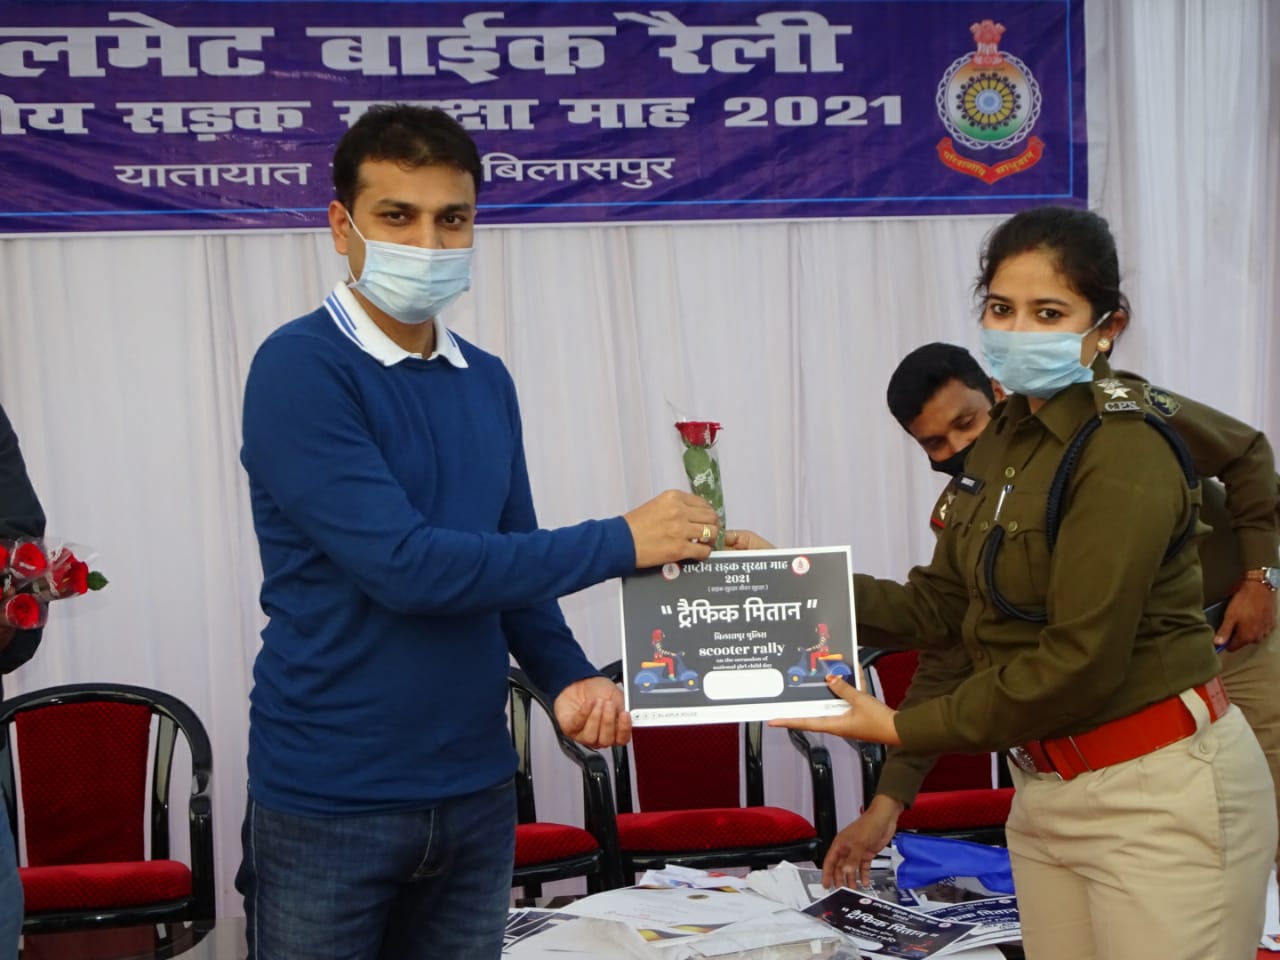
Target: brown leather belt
<point>1119,740</point>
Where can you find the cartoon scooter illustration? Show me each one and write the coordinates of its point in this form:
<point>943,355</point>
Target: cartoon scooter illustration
<point>815,656</point>
<point>664,668</point>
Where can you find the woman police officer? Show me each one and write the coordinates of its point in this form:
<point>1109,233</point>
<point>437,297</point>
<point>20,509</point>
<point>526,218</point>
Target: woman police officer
<point>1143,822</point>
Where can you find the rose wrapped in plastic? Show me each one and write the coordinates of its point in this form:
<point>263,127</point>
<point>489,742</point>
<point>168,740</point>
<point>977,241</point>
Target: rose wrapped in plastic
<point>702,466</point>
<point>27,559</point>
<point>22,611</point>
<point>33,573</point>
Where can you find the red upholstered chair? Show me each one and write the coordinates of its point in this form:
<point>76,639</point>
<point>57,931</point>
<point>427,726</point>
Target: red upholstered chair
<point>548,851</point>
<point>688,782</point>
<point>82,753</point>
<point>965,795</point>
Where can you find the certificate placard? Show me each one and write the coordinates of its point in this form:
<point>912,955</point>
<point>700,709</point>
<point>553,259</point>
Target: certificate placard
<point>742,635</point>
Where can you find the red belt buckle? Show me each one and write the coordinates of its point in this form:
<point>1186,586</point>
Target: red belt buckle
<point>1032,758</point>
<point>1022,757</point>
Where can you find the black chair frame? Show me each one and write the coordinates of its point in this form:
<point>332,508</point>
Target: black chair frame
<point>600,867</point>
<point>816,756</point>
<point>173,716</point>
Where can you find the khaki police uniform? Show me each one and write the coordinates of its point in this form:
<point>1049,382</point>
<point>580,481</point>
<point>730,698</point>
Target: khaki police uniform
<point>1162,855</point>
<point>1245,534</point>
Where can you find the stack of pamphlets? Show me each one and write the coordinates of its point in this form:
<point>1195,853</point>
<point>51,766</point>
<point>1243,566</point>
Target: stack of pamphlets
<point>887,929</point>
<point>947,917</point>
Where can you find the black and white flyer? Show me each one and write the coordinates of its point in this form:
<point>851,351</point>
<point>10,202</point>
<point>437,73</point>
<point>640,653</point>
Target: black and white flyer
<point>883,929</point>
<point>742,635</point>
<point>994,920</point>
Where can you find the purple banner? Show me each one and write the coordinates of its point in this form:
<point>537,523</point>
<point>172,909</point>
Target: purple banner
<point>120,116</point>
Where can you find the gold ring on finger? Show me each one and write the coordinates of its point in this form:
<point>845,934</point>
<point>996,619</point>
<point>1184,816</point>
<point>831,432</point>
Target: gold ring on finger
<point>706,534</point>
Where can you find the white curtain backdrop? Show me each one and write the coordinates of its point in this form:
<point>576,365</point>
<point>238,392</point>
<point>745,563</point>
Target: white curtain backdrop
<point>122,361</point>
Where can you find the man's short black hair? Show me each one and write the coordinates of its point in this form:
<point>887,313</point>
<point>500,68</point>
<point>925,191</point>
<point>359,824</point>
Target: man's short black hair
<point>926,370</point>
<point>409,135</point>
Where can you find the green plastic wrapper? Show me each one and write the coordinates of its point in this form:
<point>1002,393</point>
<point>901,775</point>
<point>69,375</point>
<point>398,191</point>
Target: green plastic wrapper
<point>702,466</point>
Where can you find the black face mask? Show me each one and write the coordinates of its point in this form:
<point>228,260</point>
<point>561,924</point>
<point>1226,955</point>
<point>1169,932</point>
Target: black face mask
<point>953,466</point>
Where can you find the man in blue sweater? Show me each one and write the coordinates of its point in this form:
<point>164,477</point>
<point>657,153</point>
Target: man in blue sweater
<point>402,565</point>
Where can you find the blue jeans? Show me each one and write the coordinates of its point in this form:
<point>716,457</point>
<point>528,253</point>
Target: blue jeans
<point>10,897</point>
<point>408,885</point>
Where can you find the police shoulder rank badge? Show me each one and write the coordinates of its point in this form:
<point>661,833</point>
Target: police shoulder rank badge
<point>1115,389</point>
<point>940,510</point>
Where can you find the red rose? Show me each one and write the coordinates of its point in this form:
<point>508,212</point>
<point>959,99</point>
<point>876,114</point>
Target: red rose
<point>698,433</point>
<point>79,577</point>
<point>4,556</point>
<point>28,560</point>
<point>67,575</point>
<point>22,610</point>
<point>70,577</point>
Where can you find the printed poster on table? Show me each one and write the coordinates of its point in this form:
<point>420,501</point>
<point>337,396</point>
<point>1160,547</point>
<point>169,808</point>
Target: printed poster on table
<point>743,635</point>
<point>162,115</point>
<point>883,929</point>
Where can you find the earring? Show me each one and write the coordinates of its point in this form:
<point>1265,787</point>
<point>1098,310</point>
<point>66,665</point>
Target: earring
<point>1103,343</point>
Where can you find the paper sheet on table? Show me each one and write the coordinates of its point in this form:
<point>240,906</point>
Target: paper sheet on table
<point>665,913</point>
<point>530,921</point>
<point>582,938</point>
<point>784,883</point>
<point>674,875</point>
<point>768,930</point>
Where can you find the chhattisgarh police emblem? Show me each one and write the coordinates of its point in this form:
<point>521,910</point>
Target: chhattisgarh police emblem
<point>989,101</point>
<point>1160,401</point>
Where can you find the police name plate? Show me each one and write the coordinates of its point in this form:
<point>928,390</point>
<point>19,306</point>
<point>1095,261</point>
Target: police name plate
<point>742,635</point>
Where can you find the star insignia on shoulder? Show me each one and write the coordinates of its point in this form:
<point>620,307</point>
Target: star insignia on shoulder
<point>942,510</point>
<point>1113,389</point>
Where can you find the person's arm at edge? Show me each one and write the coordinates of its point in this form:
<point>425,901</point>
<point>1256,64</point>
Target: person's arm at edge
<point>22,516</point>
<point>1242,458</point>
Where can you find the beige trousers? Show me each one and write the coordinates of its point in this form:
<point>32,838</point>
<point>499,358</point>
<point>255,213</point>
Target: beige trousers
<point>1252,678</point>
<point>1164,856</point>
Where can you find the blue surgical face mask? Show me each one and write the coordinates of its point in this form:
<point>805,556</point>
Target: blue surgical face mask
<point>412,284</point>
<point>1036,364</point>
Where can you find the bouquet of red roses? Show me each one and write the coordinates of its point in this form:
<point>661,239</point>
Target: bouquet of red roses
<point>34,573</point>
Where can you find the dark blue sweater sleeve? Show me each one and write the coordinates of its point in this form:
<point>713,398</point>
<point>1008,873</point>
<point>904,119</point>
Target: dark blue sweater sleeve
<point>20,516</point>
<point>309,447</point>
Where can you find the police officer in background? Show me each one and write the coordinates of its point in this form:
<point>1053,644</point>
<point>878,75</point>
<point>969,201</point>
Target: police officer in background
<point>942,397</point>
<point>20,516</point>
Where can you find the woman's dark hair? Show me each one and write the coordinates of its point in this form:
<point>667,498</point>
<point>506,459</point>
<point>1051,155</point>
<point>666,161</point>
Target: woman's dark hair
<point>413,136</point>
<point>1080,243</point>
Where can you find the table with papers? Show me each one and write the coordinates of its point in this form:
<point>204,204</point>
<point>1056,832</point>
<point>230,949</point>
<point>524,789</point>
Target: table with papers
<point>684,914</point>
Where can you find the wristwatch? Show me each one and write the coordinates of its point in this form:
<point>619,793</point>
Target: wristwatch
<point>1269,577</point>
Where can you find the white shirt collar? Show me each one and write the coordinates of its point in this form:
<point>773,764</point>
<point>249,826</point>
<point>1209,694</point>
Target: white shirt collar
<point>358,327</point>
